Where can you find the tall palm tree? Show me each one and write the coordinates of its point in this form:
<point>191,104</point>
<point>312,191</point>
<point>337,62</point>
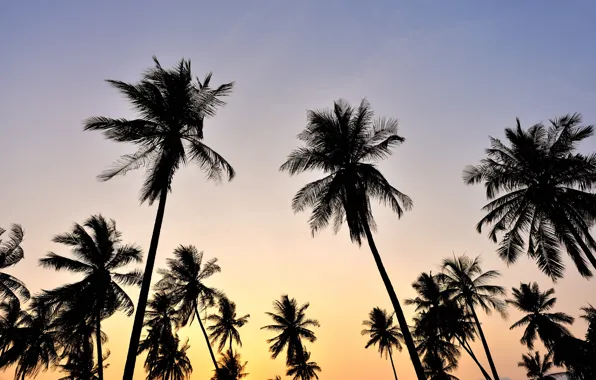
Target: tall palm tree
<point>12,288</point>
<point>303,369</point>
<point>538,321</point>
<point>230,367</point>
<point>184,281</point>
<point>98,252</point>
<point>169,134</point>
<point>540,186</point>
<point>225,324</point>
<point>292,325</point>
<point>536,367</point>
<point>344,144</point>
<point>469,286</point>
<point>383,333</point>
<point>171,361</point>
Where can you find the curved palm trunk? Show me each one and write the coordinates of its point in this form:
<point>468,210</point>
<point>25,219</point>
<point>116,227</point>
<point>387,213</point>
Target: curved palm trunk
<point>396,305</point>
<point>206,339</point>
<point>131,357</point>
<point>392,364</point>
<point>491,363</point>
<point>98,342</point>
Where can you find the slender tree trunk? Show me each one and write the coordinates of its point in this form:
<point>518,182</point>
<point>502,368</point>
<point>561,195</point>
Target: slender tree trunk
<point>392,364</point>
<point>98,342</point>
<point>396,305</point>
<point>491,363</point>
<point>206,338</point>
<point>230,345</point>
<point>131,357</point>
<point>474,358</point>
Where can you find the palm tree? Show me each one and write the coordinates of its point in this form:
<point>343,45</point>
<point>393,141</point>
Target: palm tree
<point>12,288</point>
<point>536,367</point>
<point>35,349</point>
<point>10,317</point>
<point>303,369</point>
<point>383,333</point>
<point>225,324</point>
<point>536,304</point>
<point>184,281</point>
<point>98,251</point>
<point>540,186</point>
<point>345,144</point>
<point>292,325</point>
<point>469,286</point>
<point>230,367</point>
<point>169,134</point>
<point>437,368</point>
<point>171,361</point>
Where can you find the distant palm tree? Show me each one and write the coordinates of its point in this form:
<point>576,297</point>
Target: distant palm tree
<point>469,286</point>
<point>12,288</point>
<point>383,333</point>
<point>292,325</point>
<point>536,367</point>
<point>99,252</point>
<point>345,143</point>
<point>225,324</point>
<point>171,361</point>
<point>35,349</point>
<point>303,369</point>
<point>437,368</point>
<point>169,134</point>
<point>536,304</point>
<point>540,186</point>
<point>230,367</point>
<point>184,281</point>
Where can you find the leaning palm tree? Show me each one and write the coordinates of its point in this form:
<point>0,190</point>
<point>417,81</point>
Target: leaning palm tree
<point>98,252</point>
<point>169,134</point>
<point>345,143</point>
<point>536,367</point>
<point>469,286</point>
<point>382,332</point>
<point>292,325</point>
<point>303,369</point>
<point>11,288</point>
<point>184,281</point>
<point>548,326</point>
<point>540,193</point>
<point>171,361</point>
<point>225,324</point>
<point>230,367</point>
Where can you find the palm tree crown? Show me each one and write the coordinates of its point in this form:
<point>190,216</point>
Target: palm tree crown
<point>536,367</point>
<point>225,324</point>
<point>230,367</point>
<point>540,187</point>
<point>304,369</point>
<point>171,361</point>
<point>382,332</point>
<point>10,254</point>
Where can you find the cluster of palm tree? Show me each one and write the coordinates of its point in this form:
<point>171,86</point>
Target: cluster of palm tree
<point>540,203</point>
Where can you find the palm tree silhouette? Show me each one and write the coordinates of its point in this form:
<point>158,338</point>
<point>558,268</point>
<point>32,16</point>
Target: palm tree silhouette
<point>79,367</point>
<point>345,143</point>
<point>169,134</point>
<point>12,288</point>
<point>11,315</point>
<point>292,325</point>
<point>98,254</point>
<point>230,367</point>
<point>469,286</point>
<point>536,304</point>
<point>303,369</point>
<point>35,349</point>
<point>383,333</point>
<point>225,324</point>
<point>171,361</point>
<point>184,281</point>
<point>540,186</point>
<point>589,315</point>
<point>437,368</point>
<point>536,367</point>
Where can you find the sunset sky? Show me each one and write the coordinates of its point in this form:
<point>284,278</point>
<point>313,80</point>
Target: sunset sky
<point>452,72</point>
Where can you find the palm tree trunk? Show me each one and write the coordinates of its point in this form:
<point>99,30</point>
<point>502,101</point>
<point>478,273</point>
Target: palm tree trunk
<point>398,310</point>
<point>392,364</point>
<point>491,363</point>
<point>98,342</point>
<point>474,358</point>
<point>230,345</point>
<point>206,338</point>
<point>131,357</point>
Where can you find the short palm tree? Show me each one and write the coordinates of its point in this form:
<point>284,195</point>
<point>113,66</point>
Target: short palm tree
<point>303,369</point>
<point>225,324</point>
<point>12,288</point>
<point>469,286</point>
<point>230,367</point>
<point>437,368</point>
<point>550,327</point>
<point>184,281</point>
<point>539,186</point>
<point>382,333</point>
<point>293,326</point>
<point>345,143</point>
<point>171,361</point>
<point>536,367</point>
<point>169,134</point>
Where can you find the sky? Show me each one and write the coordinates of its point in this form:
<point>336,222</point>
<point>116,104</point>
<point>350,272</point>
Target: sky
<point>452,72</point>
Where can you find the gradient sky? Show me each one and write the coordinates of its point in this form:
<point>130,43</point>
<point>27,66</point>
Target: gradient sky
<point>453,72</point>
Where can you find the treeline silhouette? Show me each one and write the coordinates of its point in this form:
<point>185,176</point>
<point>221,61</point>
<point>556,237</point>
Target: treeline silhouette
<point>541,203</point>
